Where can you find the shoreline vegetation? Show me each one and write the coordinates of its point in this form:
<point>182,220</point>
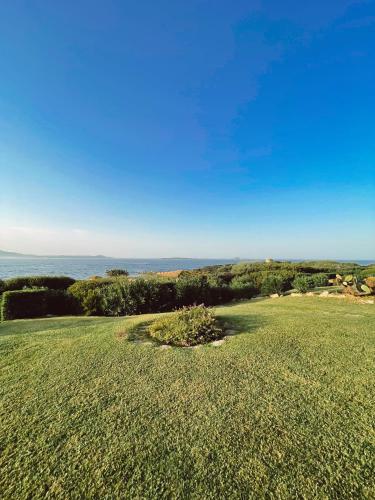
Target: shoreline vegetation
<point>119,294</point>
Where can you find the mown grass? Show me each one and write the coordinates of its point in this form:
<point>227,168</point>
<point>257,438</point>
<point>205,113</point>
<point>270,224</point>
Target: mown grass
<point>283,409</point>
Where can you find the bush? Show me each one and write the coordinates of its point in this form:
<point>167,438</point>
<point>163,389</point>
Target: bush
<point>114,297</point>
<point>218,292</point>
<point>192,289</point>
<point>370,282</point>
<point>273,283</point>
<point>23,304</point>
<point>113,273</point>
<point>186,327</point>
<point>2,286</point>
<point>303,283</point>
<point>125,298</point>
<point>88,295</point>
<point>161,295</point>
<point>33,303</point>
<point>139,297</point>
<point>53,282</point>
<point>61,303</point>
<point>243,287</point>
<point>219,295</point>
<point>319,279</point>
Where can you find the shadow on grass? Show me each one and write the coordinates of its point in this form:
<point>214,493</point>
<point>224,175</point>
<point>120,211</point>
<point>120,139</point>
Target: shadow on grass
<point>42,325</point>
<point>241,324</point>
<point>138,334</point>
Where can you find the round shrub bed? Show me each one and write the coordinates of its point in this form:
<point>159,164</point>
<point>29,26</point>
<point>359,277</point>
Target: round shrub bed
<point>187,327</point>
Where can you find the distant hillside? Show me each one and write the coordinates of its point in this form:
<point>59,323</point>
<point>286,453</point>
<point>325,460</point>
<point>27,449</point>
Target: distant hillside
<point>4,253</point>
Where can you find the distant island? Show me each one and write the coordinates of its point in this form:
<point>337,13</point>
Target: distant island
<point>4,253</point>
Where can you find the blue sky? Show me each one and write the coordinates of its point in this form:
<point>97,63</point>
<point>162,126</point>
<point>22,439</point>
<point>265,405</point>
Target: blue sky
<point>199,128</point>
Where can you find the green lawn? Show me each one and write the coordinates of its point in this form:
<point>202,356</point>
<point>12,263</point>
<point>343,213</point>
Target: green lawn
<point>283,409</point>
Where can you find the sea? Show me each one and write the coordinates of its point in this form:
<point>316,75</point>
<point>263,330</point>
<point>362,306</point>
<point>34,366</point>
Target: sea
<point>83,267</point>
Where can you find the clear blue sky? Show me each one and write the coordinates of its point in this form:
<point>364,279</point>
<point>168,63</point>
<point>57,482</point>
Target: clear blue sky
<point>189,128</point>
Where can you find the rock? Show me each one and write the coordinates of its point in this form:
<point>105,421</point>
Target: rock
<point>218,342</point>
<point>165,346</point>
<point>294,294</point>
<point>274,295</point>
<point>324,294</point>
<point>368,301</point>
<point>310,294</point>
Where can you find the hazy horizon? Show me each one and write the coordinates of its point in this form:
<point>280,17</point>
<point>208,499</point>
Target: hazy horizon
<point>94,255</point>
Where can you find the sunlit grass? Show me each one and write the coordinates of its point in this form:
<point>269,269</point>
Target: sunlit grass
<point>284,408</point>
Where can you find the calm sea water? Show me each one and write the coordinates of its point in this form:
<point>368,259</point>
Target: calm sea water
<point>83,267</point>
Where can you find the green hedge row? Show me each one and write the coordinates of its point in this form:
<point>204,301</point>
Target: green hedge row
<point>33,303</point>
<point>52,282</point>
<point>140,296</point>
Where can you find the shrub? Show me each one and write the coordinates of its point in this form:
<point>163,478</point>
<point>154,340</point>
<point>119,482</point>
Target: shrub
<point>92,302</point>
<point>186,327</point>
<point>192,289</point>
<point>2,286</point>
<point>219,295</point>
<point>319,279</point>
<point>114,297</point>
<point>221,278</point>
<point>161,295</point>
<point>23,304</point>
<point>370,282</point>
<point>366,272</point>
<point>273,283</point>
<point>61,303</point>
<point>88,296</point>
<point>113,273</point>
<point>125,298</point>
<point>303,283</point>
<point>139,297</point>
<point>33,303</point>
<point>243,287</point>
<point>218,292</point>
<point>53,282</point>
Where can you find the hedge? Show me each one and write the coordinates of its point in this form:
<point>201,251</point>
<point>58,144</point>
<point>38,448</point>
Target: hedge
<point>52,282</point>
<point>139,296</point>
<point>33,303</point>
<point>121,297</point>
